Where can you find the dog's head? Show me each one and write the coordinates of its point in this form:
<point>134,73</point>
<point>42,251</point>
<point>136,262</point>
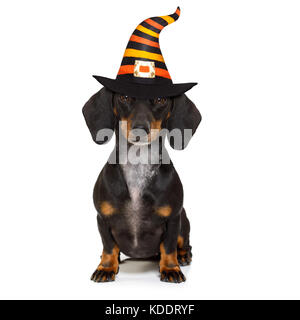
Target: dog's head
<point>141,120</point>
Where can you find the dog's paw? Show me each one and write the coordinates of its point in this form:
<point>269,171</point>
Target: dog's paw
<point>173,275</point>
<point>104,275</point>
<point>184,257</point>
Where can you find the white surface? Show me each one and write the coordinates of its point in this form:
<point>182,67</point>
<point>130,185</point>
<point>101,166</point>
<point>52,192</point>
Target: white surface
<point>241,171</point>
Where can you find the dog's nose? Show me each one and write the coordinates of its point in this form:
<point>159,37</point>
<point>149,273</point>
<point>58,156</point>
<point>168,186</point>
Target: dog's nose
<point>144,127</point>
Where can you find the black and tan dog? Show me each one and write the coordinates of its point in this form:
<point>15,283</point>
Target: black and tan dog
<point>140,203</point>
<point>140,206</point>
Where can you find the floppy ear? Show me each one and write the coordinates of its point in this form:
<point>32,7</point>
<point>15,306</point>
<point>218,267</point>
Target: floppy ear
<point>185,119</point>
<point>98,114</point>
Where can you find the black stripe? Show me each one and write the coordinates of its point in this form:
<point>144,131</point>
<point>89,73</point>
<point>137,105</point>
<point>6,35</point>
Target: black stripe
<point>131,61</point>
<point>144,35</point>
<point>175,16</point>
<point>144,47</point>
<point>148,26</point>
<point>161,21</point>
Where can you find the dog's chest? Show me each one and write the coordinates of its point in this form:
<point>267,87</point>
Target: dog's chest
<point>137,178</point>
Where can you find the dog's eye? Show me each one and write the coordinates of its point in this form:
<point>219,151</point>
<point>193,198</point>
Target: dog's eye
<point>124,98</point>
<point>160,101</point>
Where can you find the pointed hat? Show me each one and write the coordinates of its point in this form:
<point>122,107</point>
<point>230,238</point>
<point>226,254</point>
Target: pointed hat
<point>143,72</point>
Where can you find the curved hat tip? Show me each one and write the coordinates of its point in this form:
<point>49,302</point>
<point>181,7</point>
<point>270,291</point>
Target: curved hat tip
<point>172,17</point>
<point>177,12</point>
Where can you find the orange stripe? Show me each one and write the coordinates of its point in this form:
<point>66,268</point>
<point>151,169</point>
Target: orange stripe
<point>126,69</point>
<point>178,12</point>
<point>158,71</point>
<point>154,24</point>
<point>162,73</point>
<point>144,41</point>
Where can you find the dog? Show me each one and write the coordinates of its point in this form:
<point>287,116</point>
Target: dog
<point>140,206</point>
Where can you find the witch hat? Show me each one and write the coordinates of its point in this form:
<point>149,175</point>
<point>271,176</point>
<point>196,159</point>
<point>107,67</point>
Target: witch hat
<point>143,72</point>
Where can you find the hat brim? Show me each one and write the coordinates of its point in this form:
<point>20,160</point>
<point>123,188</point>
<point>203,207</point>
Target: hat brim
<point>147,91</point>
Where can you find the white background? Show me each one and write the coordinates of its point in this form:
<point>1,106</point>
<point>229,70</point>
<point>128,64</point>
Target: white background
<point>241,171</point>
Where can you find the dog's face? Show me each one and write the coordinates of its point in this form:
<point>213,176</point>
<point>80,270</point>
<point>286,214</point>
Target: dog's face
<point>141,119</point>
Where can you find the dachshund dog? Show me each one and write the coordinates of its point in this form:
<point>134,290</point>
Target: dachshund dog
<point>140,205</point>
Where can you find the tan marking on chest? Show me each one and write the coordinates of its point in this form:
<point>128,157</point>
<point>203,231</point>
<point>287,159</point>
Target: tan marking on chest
<point>106,208</point>
<point>164,211</point>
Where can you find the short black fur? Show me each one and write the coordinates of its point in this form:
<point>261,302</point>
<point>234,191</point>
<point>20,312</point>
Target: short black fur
<point>156,225</point>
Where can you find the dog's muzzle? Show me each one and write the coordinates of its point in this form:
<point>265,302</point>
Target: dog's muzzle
<point>139,135</point>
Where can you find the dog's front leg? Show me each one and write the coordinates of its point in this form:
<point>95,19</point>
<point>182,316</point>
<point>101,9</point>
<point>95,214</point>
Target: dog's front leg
<point>109,265</point>
<point>168,265</point>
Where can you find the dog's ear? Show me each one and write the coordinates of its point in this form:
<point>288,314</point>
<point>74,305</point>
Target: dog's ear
<point>183,121</point>
<point>99,117</point>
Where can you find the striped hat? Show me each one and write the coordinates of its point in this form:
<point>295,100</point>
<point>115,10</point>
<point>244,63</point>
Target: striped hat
<point>143,72</point>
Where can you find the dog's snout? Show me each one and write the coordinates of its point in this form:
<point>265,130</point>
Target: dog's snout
<point>141,118</point>
<point>145,127</point>
<point>139,133</point>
